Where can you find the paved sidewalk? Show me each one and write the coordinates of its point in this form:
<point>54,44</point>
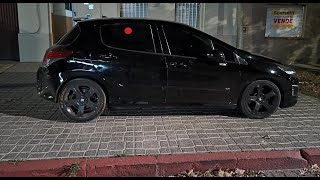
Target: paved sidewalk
<point>5,66</point>
<point>287,173</point>
<point>33,128</point>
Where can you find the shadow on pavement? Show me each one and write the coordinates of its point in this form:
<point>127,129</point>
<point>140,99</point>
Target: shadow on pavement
<point>18,97</point>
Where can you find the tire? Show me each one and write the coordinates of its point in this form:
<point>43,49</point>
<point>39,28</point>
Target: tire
<point>82,100</point>
<point>260,99</point>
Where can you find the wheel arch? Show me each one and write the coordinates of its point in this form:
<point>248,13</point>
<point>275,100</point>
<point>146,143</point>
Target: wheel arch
<point>76,75</point>
<point>273,80</point>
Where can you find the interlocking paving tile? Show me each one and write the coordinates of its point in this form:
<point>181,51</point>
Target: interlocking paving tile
<point>117,145</point>
<point>10,156</point>
<point>34,128</point>
<point>42,148</point>
<point>6,148</point>
<point>90,153</point>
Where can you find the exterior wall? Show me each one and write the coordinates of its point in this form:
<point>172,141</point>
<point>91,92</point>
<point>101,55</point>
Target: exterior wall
<point>81,10</point>
<point>163,11</point>
<point>34,31</point>
<point>216,19</point>
<point>100,9</point>
<point>211,18</point>
<point>304,51</point>
<point>110,10</point>
<point>61,21</point>
<point>220,21</point>
<point>59,9</point>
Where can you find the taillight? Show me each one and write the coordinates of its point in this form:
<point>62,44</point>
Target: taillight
<point>55,55</point>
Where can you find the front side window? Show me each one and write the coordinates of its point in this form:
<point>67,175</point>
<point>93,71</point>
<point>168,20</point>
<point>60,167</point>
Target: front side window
<point>130,36</point>
<point>184,43</point>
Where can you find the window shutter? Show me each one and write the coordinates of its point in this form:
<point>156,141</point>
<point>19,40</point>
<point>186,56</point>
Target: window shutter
<point>188,13</point>
<point>134,10</point>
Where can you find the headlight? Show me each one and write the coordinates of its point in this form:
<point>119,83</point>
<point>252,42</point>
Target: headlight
<point>287,70</point>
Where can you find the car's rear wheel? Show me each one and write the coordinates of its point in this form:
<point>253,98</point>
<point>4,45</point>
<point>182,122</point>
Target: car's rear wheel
<point>82,100</point>
<point>260,99</point>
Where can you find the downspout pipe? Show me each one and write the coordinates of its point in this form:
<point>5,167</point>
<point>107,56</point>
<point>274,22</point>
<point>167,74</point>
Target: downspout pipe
<point>239,26</point>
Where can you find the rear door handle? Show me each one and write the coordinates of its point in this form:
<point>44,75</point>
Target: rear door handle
<point>175,64</point>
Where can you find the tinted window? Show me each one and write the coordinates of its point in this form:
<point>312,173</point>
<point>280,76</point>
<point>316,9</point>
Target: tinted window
<point>185,43</point>
<point>70,37</point>
<point>136,37</point>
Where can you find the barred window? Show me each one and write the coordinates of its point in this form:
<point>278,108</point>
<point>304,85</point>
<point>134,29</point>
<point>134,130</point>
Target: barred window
<point>134,10</point>
<point>68,6</point>
<point>188,13</point>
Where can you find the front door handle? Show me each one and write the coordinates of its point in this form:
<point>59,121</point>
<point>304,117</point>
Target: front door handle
<point>222,64</point>
<point>175,64</point>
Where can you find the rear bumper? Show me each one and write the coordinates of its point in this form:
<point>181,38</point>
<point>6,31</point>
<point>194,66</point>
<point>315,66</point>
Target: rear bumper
<point>46,84</point>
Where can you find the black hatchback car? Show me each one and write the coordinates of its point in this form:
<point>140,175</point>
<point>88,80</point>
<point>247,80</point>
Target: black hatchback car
<point>102,63</point>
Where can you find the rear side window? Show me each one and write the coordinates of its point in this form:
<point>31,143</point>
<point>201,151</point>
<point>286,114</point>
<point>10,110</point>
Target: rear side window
<point>130,36</point>
<point>70,37</point>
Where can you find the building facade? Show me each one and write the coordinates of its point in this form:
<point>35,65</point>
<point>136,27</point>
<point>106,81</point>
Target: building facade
<point>244,25</point>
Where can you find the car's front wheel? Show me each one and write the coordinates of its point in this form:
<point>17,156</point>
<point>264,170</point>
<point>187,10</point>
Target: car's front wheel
<point>82,100</point>
<point>260,99</point>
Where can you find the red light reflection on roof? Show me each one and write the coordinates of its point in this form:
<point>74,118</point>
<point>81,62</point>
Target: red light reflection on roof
<point>128,30</point>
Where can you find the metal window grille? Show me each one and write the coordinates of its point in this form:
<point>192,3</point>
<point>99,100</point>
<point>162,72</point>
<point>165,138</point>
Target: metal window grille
<point>68,6</point>
<point>134,10</point>
<point>188,13</point>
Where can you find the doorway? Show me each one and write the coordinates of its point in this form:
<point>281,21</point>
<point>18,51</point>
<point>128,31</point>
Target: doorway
<point>9,29</point>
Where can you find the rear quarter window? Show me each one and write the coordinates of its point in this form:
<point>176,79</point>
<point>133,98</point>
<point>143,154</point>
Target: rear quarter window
<point>130,36</point>
<point>70,37</point>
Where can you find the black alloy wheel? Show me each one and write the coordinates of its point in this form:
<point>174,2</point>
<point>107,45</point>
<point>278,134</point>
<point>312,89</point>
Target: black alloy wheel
<point>260,99</point>
<point>82,100</point>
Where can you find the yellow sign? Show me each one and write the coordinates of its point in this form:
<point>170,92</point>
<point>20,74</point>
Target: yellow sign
<point>282,26</point>
<point>284,21</point>
<point>283,12</point>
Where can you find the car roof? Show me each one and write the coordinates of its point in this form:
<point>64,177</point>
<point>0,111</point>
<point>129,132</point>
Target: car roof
<point>128,20</point>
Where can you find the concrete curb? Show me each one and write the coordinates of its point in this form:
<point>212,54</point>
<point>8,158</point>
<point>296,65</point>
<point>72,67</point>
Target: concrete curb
<point>164,165</point>
<point>312,155</point>
<point>42,168</point>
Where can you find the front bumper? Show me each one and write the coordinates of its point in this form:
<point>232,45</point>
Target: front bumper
<point>290,93</point>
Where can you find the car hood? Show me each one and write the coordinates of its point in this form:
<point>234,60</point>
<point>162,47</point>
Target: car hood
<point>258,58</point>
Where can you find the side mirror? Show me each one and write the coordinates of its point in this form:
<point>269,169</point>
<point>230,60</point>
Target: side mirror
<point>217,55</point>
